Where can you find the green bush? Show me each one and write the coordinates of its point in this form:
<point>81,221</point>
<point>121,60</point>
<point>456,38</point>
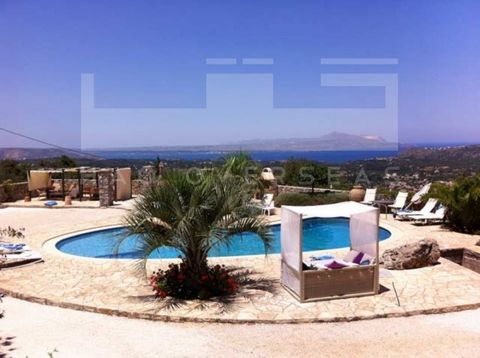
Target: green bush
<point>178,281</point>
<point>462,200</point>
<point>294,199</point>
<point>300,199</point>
<point>331,198</point>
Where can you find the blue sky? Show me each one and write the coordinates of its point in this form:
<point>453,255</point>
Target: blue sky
<point>151,54</point>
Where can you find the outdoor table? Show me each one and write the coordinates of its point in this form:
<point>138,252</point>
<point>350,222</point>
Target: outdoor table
<point>383,204</point>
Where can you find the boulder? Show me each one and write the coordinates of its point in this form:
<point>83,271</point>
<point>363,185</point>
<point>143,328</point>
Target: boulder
<point>418,254</point>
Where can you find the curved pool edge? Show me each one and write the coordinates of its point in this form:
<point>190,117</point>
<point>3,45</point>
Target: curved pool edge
<point>50,246</point>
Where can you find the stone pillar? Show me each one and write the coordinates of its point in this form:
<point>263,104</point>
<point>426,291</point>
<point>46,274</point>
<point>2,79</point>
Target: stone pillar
<point>105,187</point>
<point>147,175</point>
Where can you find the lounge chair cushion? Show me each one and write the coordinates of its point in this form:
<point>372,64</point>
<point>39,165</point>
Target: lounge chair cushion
<point>358,258</point>
<point>335,265</point>
<point>366,260</point>
<point>354,256</point>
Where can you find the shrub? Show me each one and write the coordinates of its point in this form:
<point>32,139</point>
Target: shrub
<point>181,282</point>
<point>294,199</point>
<point>462,200</point>
<point>300,199</point>
<point>331,198</point>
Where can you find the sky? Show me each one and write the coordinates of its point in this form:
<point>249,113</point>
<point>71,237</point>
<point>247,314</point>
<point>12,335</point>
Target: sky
<point>148,81</point>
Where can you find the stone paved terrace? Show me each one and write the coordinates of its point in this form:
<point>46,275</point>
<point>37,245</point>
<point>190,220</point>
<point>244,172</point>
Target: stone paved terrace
<point>114,287</point>
<point>39,202</point>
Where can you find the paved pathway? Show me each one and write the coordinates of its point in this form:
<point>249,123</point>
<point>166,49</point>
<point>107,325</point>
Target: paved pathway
<point>111,286</point>
<point>34,330</point>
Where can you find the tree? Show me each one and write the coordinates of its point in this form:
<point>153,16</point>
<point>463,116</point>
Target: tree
<point>12,170</point>
<point>65,162</point>
<point>194,216</point>
<point>302,172</point>
<point>241,166</point>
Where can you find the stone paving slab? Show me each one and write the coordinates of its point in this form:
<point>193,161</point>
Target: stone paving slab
<point>114,287</point>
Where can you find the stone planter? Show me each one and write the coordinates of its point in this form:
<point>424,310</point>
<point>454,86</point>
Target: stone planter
<point>357,193</point>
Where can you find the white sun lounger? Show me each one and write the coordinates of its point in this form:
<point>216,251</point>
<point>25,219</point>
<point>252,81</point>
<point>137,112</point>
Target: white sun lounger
<point>12,254</point>
<point>400,201</point>
<point>427,209</point>
<point>12,260</point>
<point>27,255</point>
<point>6,247</point>
<point>430,218</point>
<point>370,196</point>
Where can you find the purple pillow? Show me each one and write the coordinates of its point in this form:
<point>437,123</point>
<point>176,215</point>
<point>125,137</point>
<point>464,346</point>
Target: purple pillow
<point>358,258</point>
<point>335,265</point>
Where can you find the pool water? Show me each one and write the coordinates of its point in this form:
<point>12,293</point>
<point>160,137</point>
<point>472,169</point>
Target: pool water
<point>318,234</point>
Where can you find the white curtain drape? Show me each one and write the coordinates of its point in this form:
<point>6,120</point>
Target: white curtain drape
<point>364,232</point>
<point>291,243</point>
<point>38,179</point>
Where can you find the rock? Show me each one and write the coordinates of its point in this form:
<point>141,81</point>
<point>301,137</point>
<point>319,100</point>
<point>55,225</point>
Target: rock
<point>415,255</point>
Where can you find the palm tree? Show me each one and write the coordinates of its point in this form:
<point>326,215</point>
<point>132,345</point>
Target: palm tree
<point>462,200</point>
<point>194,216</point>
<point>242,166</point>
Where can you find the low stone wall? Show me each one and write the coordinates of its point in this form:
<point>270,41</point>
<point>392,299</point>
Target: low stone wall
<point>471,260</point>
<point>13,192</point>
<point>304,189</point>
<point>465,257</point>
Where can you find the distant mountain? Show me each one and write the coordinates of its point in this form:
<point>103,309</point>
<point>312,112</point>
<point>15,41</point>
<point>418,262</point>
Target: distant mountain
<point>34,153</point>
<point>437,155</point>
<point>334,141</point>
<point>330,142</point>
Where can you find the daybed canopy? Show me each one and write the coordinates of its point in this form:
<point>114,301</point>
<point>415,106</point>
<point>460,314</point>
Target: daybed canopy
<point>349,281</point>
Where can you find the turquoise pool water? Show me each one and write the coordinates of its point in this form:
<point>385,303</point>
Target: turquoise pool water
<point>318,234</point>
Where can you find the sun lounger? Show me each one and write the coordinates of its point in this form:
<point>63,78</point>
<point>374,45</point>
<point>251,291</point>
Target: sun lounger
<point>370,196</point>
<point>400,202</point>
<point>6,246</point>
<point>14,259</point>
<point>427,209</point>
<point>429,218</point>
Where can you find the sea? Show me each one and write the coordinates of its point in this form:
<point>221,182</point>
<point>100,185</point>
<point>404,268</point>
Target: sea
<point>331,157</point>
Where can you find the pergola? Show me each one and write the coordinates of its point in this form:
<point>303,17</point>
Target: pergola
<point>311,285</point>
<point>40,179</point>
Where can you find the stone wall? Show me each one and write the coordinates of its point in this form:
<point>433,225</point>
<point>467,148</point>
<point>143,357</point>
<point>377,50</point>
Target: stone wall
<point>304,189</point>
<point>471,260</point>
<point>13,192</point>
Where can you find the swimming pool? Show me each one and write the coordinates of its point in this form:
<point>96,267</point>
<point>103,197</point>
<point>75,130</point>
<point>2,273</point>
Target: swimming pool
<point>318,234</point>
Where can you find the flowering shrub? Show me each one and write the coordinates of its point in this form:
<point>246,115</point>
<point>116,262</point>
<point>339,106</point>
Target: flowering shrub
<point>179,281</point>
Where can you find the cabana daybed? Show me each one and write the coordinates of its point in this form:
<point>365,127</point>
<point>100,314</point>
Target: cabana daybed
<point>81,180</point>
<point>311,284</point>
